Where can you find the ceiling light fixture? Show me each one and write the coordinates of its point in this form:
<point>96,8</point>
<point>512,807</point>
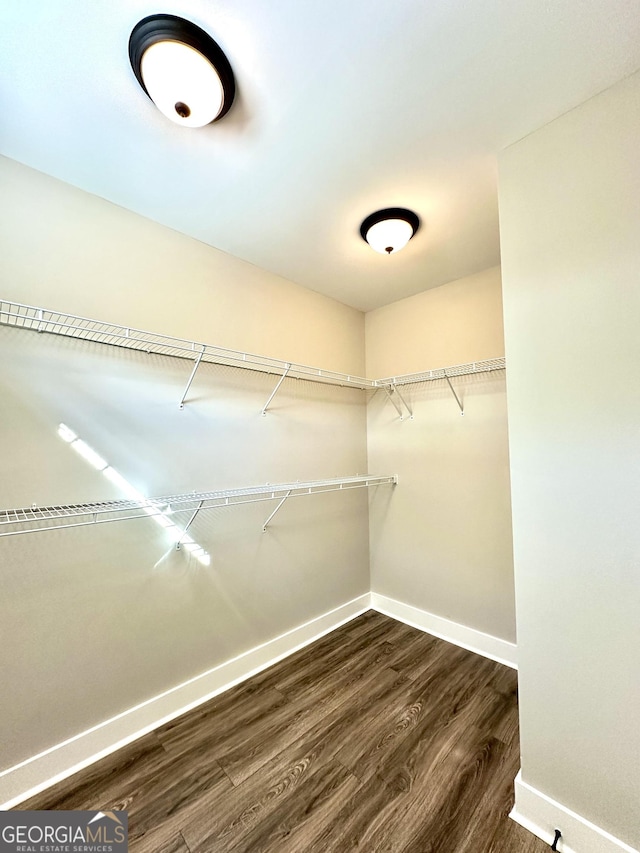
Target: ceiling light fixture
<point>387,231</point>
<point>182,70</point>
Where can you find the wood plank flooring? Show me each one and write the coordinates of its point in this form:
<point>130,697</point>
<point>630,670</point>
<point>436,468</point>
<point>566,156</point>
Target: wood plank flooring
<point>376,738</point>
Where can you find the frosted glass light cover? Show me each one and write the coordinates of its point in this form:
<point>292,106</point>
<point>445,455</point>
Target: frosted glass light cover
<point>391,234</point>
<point>182,83</point>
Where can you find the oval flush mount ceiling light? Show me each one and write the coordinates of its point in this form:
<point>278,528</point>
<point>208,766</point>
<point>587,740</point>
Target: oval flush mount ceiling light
<point>182,70</point>
<point>387,231</point>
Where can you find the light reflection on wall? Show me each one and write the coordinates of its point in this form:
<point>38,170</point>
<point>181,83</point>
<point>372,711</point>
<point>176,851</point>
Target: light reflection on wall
<point>154,512</point>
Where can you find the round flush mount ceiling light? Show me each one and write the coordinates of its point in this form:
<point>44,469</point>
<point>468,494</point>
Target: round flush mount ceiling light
<point>387,231</point>
<point>182,70</point>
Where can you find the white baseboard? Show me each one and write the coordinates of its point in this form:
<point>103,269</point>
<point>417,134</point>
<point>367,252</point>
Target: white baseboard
<point>28,778</point>
<point>476,641</point>
<point>542,815</point>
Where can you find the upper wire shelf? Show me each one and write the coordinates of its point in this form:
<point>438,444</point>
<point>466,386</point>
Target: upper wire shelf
<point>30,520</point>
<point>392,384</point>
<point>70,325</point>
<point>445,372</point>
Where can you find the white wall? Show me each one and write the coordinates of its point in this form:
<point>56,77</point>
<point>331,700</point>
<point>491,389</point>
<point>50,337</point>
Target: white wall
<point>95,620</point>
<point>443,544</point>
<point>570,226</point>
<point>67,250</point>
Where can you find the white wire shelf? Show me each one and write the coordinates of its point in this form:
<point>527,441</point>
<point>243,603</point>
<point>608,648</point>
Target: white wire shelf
<point>392,384</point>
<point>35,519</point>
<point>43,320</point>
<point>445,372</point>
<point>69,325</point>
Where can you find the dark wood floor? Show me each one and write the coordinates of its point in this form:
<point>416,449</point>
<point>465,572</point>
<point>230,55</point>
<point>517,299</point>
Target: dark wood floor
<point>376,738</point>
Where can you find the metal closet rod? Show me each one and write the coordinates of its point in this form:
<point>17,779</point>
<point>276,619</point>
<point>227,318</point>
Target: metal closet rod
<point>69,325</point>
<point>103,512</point>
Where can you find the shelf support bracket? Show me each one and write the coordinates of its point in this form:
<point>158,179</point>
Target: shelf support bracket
<point>193,373</point>
<point>455,395</point>
<point>402,399</point>
<point>188,524</point>
<point>264,526</point>
<point>391,397</point>
<point>390,392</point>
<point>275,391</point>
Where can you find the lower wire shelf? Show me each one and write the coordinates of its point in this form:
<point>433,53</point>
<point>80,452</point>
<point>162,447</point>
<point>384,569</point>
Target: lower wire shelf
<point>36,519</point>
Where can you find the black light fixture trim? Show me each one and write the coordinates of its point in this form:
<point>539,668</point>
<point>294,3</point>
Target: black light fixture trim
<point>157,28</point>
<point>389,213</point>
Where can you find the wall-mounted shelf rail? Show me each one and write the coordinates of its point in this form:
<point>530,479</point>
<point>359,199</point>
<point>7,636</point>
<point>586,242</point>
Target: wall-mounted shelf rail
<point>56,323</point>
<point>36,519</point>
<point>391,383</point>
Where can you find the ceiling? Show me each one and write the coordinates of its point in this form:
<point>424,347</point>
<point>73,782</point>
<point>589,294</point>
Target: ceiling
<point>343,107</point>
